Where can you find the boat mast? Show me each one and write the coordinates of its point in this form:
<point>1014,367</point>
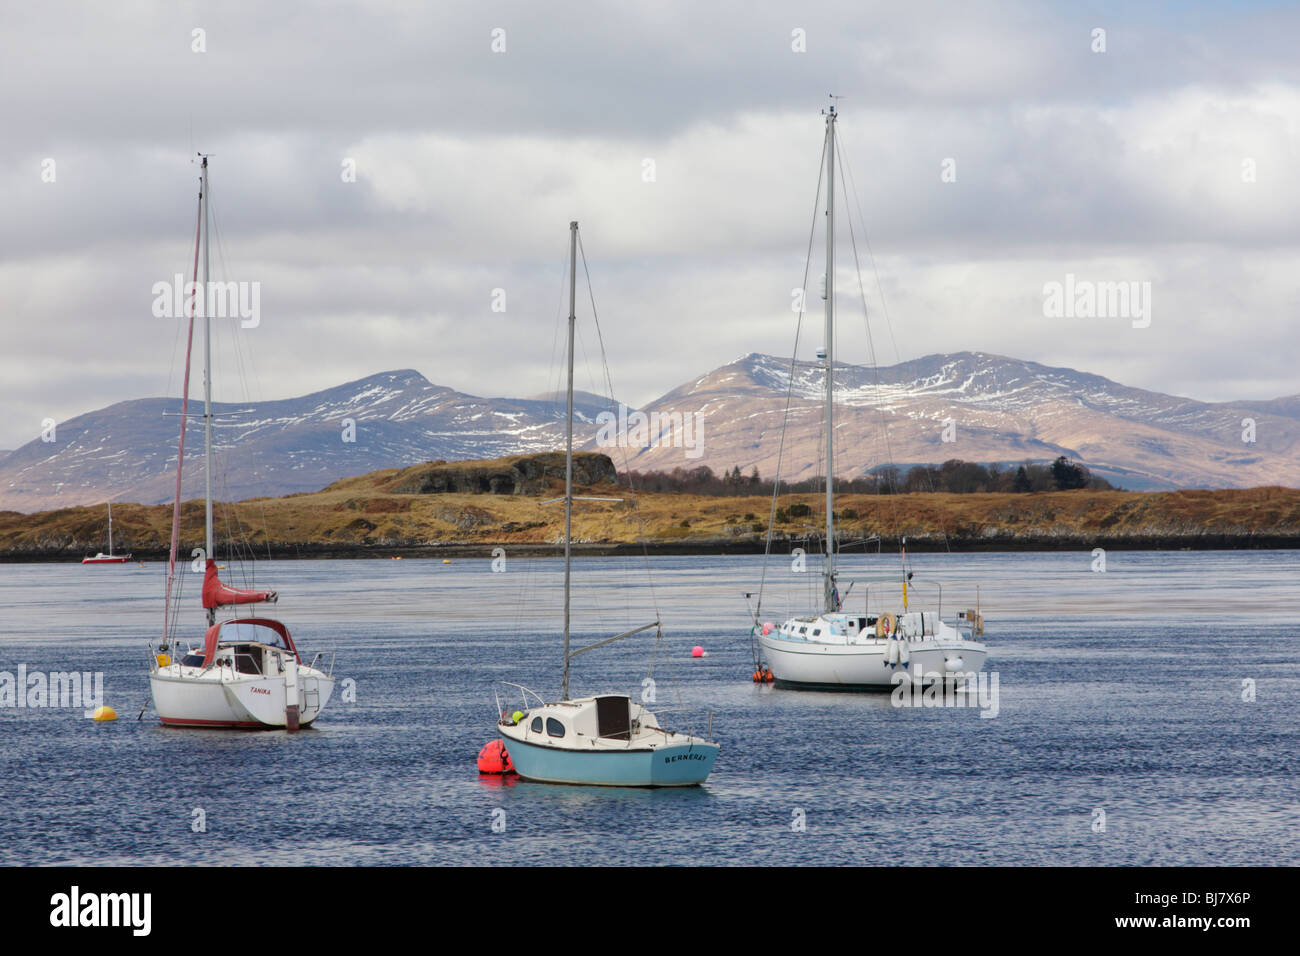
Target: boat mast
<point>568,448</point>
<point>207,389</point>
<point>829,582</point>
<point>110,529</point>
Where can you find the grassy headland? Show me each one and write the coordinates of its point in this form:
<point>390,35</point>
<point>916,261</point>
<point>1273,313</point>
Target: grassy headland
<point>471,507</point>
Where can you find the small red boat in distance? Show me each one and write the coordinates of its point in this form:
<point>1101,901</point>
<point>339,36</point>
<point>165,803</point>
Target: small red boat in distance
<point>107,559</point>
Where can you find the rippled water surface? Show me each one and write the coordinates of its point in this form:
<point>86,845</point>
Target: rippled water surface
<point>1118,693</point>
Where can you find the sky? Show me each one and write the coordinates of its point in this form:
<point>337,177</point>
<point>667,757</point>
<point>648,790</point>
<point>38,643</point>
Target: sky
<point>991,148</point>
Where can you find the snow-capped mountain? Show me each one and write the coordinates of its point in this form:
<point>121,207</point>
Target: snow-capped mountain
<point>968,405</point>
<point>985,408</point>
<point>127,451</point>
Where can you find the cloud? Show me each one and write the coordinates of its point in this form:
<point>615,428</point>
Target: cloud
<point>1121,165</point>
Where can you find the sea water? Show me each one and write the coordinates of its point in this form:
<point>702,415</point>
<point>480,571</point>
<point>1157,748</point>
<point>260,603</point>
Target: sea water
<point>1146,714</point>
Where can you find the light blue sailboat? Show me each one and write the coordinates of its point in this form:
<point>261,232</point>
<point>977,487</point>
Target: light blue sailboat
<point>607,740</point>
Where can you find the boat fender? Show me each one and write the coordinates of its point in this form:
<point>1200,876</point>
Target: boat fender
<point>495,759</point>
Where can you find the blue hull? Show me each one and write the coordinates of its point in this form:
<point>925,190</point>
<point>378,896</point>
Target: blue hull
<point>682,766</point>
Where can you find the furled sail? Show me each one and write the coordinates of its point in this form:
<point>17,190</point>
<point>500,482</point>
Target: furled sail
<point>216,594</point>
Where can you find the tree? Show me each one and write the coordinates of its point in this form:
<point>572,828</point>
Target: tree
<point>1021,484</point>
<point>1068,476</point>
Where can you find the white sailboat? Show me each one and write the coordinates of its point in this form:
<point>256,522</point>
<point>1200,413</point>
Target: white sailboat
<point>110,558</point>
<point>608,739</point>
<point>246,672</point>
<point>835,647</point>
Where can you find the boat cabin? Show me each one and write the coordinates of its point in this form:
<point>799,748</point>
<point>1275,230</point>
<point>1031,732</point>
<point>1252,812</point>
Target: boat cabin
<point>608,717</point>
<point>247,646</point>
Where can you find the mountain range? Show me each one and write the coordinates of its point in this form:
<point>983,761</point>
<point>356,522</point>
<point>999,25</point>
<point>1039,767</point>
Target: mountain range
<point>969,405</point>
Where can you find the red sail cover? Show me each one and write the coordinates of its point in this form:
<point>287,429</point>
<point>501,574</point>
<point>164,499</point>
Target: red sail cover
<point>216,594</point>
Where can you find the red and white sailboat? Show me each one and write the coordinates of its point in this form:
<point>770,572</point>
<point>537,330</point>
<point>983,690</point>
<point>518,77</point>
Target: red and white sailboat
<point>109,558</point>
<point>246,672</point>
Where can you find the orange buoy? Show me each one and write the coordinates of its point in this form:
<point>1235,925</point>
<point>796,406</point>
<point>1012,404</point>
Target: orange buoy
<point>763,676</point>
<point>494,758</point>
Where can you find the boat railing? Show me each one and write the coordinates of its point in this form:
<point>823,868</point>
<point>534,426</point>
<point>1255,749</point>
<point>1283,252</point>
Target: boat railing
<point>660,711</point>
<point>525,692</point>
<point>884,584</point>
<point>319,655</point>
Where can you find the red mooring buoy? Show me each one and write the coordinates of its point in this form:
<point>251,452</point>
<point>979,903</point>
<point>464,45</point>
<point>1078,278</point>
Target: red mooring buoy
<point>494,758</point>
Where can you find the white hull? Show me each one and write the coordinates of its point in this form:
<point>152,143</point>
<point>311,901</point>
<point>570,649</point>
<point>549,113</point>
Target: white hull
<point>864,665</point>
<point>218,698</point>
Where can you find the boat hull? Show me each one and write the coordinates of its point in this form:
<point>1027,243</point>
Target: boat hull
<point>685,765</point>
<point>105,559</point>
<point>251,703</point>
<point>864,666</point>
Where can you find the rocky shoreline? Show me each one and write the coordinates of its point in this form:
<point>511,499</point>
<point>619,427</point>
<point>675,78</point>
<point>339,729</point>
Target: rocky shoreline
<point>314,550</point>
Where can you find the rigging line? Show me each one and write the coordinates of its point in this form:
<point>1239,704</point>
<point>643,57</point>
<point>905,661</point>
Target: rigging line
<point>184,424</point>
<point>554,374</point>
<point>528,582</point>
<point>639,517</point>
<point>246,370</point>
<point>871,346</point>
<point>898,358</point>
<point>789,392</point>
<point>245,364</point>
<point>866,239</point>
<point>609,384</point>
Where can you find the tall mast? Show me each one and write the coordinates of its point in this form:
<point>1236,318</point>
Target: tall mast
<point>207,385</point>
<point>568,448</point>
<point>829,582</point>
<point>110,529</point>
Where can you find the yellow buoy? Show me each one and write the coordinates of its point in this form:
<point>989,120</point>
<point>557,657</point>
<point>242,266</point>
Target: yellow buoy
<point>446,560</point>
<point>164,660</point>
<point>517,716</point>
<point>104,713</point>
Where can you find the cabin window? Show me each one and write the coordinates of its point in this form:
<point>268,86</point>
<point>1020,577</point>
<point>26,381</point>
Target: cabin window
<point>817,632</point>
<point>536,725</point>
<point>192,660</point>
<point>803,630</point>
<point>554,728</point>
<point>248,659</point>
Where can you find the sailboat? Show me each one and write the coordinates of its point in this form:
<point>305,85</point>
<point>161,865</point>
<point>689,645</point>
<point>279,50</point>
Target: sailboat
<point>109,558</point>
<point>246,672</point>
<point>608,739</point>
<point>837,647</point>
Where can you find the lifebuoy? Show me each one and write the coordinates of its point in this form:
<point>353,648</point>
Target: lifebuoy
<point>885,625</point>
